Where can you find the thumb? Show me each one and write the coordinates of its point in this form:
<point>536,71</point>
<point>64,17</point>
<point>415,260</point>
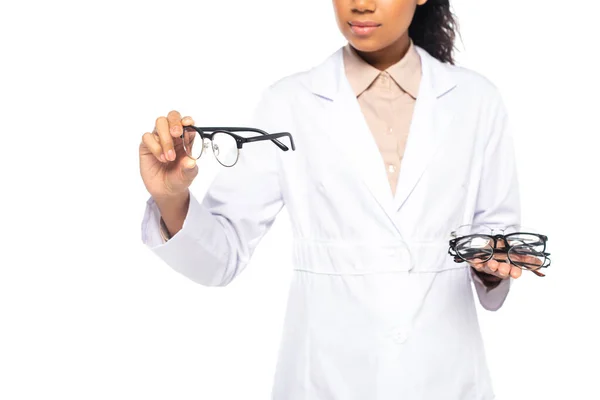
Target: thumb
<point>189,169</point>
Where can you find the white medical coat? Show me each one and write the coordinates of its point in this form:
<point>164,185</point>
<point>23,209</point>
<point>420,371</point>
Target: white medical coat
<point>377,309</point>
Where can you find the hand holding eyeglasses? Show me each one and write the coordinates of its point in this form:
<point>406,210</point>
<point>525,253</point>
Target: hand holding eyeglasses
<point>502,255</point>
<point>168,154</point>
<point>165,169</point>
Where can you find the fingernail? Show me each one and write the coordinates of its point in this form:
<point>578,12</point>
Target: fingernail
<point>162,158</point>
<point>171,155</point>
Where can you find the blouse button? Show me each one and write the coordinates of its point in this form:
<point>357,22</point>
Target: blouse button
<point>384,79</point>
<point>391,168</point>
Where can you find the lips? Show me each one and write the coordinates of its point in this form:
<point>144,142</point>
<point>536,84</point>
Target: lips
<point>364,24</point>
<point>363,28</point>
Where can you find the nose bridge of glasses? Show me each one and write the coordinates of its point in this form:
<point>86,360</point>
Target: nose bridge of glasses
<point>500,241</point>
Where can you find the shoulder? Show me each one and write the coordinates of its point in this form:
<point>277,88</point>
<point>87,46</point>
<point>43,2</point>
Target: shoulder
<point>479,98</point>
<point>476,86</point>
<point>469,77</point>
<point>288,85</point>
<point>468,93</point>
<point>276,97</point>
<point>470,89</point>
<point>472,94</point>
<point>303,82</point>
<point>275,108</point>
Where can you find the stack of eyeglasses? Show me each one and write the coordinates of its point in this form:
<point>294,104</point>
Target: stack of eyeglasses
<point>513,244</point>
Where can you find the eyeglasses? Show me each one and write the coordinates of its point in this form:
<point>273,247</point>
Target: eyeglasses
<point>226,145</point>
<point>523,248</point>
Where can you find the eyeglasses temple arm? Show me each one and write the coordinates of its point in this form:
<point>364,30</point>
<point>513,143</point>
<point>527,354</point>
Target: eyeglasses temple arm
<point>272,137</point>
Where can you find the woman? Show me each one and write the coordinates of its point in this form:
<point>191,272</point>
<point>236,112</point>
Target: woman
<point>396,147</point>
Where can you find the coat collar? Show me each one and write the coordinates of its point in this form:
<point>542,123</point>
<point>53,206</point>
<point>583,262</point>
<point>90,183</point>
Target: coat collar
<point>325,79</point>
<point>406,73</point>
<point>348,129</point>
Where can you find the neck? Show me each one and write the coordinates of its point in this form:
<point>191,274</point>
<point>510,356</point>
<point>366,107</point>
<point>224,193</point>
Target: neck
<point>383,58</point>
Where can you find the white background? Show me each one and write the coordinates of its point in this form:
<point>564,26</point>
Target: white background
<point>88,312</point>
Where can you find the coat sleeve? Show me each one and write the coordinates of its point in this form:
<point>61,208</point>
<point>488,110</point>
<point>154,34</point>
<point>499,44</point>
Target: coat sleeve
<point>220,233</point>
<point>498,198</point>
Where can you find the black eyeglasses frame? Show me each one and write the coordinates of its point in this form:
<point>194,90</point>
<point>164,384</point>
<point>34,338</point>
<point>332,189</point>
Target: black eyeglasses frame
<point>505,250</point>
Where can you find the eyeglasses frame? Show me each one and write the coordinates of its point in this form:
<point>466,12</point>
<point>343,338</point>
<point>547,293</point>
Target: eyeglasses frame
<point>240,140</point>
<point>495,250</point>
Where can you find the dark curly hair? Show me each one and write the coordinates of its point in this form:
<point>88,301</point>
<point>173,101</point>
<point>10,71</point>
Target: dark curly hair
<point>434,28</point>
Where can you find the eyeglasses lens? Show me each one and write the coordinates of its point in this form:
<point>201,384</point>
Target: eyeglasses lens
<point>475,249</point>
<point>527,256</point>
<point>192,142</point>
<point>225,148</point>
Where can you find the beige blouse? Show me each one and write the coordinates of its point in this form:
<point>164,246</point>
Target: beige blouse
<point>387,100</point>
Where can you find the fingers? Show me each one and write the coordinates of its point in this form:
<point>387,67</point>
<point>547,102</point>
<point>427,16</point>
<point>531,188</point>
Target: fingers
<point>189,170</point>
<point>167,130</point>
<point>533,262</point>
<point>499,269</point>
<point>187,121</point>
<point>478,266</point>
<point>504,269</point>
<point>516,272</point>
<point>164,135</point>
<point>175,126</point>
<point>151,142</point>
<point>492,265</point>
<point>189,167</point>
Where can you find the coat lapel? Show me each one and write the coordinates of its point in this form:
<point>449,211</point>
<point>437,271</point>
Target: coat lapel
<point>351,135</point>
<point>349,130</point>
<point>431,118</point>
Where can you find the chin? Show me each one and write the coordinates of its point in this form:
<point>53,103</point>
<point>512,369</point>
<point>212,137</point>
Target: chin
<point>366,45</point>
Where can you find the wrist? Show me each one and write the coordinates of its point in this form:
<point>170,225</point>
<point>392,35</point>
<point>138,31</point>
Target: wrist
<point>173,210</point>
<point>172,199</point>
<point>489,281</point>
